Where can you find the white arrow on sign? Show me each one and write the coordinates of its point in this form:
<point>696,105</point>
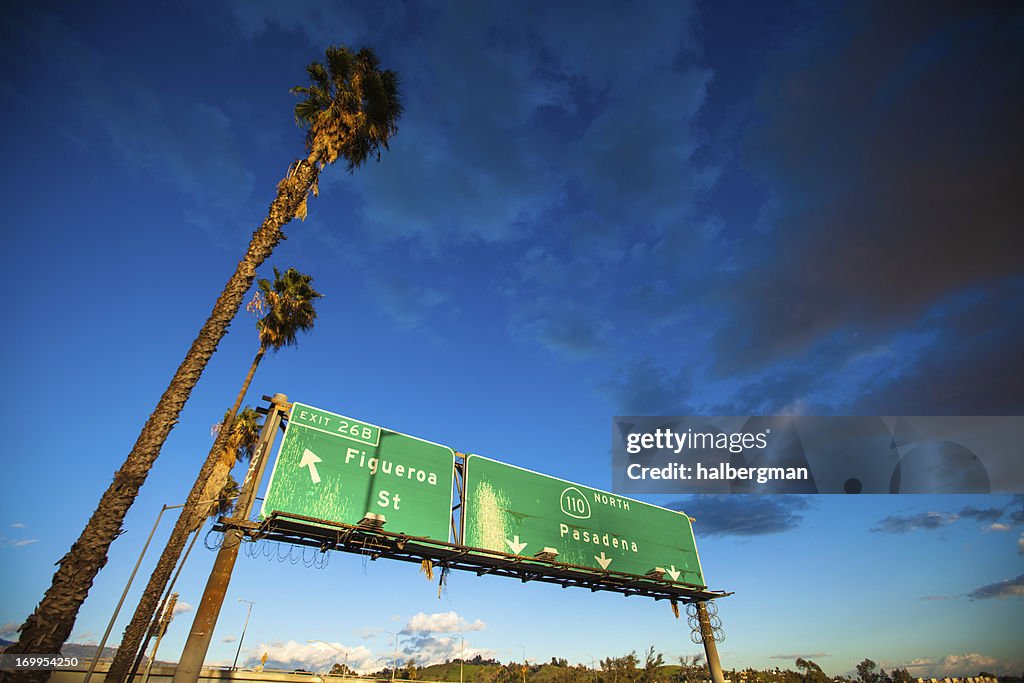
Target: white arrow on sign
<point>516,546</point>
<point>310,459</point>
<point>673,572</point>
<point>603,561</point>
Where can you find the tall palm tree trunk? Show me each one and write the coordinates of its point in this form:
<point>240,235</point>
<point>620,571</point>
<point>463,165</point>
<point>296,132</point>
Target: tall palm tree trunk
<point>192,516</point>
<point>48,627</point>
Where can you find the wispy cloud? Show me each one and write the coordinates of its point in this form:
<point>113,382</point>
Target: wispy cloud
<point>982,515</point>
<point>929,521</point>
<point>812,655</point>
<point>1011,588</point>
<point>9,630</point>
<point>924,520</point>
<point>228,639</point>
<point>17,525</point>
<point>742,515</point>
<point>182,607</point>
<point>16,542</point>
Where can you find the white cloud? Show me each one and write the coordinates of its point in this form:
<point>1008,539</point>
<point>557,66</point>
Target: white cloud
<point>966,665</point>
<point>953,665</point>
<point>996,527</point>
<point>312,656</point>
<point>1020,545</point>
<point>18,525</point>
<point>228,639</point>
<point>12,543</point>
<point>441,622</point>
<point>9,630</point>
<point>182,607</point>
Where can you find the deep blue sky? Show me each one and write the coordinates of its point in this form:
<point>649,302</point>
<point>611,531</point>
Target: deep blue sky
<point>639,208</point>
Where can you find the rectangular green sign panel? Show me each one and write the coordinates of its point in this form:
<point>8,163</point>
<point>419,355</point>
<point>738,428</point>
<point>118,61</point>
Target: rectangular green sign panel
<point>336,468</point>
<point>520,512</point>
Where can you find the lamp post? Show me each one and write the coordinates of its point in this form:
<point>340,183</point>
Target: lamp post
<point>524,662</point>
<point>593,665</point>
<point>394,658</point>
<point>462,655</point>
<point>234,665</point>
<point>344,652</point>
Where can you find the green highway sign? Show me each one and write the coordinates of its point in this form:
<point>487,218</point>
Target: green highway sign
<point>520,512</point>
<point>339,469</point>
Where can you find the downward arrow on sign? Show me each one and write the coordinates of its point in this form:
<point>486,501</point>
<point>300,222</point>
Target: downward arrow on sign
<point>603,561</point>
<point>310,459</point>
<point>516,546</point>
<point>673,572</point>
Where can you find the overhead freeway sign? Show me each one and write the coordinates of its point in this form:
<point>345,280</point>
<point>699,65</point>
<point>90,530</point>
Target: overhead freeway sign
<point>338,469</point>
<point>516,511</point>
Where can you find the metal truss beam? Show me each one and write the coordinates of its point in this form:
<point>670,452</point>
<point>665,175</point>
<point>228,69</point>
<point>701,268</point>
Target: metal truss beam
<point>377,543</point>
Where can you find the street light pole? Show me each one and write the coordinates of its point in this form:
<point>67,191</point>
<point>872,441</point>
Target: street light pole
<point>394,658</point>
<point>524,662</point>
<point>462,655</point>
<point>239,651</point>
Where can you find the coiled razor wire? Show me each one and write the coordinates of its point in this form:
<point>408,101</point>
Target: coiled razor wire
<point>713,630</point>
<point>311,558</point>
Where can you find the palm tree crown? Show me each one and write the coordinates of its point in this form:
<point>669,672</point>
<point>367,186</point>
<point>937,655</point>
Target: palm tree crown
<point>350,108</point>
<point>290,308</point>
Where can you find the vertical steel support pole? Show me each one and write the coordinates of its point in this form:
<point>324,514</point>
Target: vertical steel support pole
<point>710,649</point>
<point>191,663</point>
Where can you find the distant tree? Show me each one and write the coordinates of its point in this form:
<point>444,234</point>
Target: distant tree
<point>652,665</point>
<point>692,669</point>
<point>409,671</point>
<point>341,670</point>
<point>812,673</point>
<point>866,672</point>
<point>621,669</point>
<point>504,673</point>
<point>901,676</point>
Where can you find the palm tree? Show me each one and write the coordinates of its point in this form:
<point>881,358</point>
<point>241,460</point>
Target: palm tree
<point>350,110</point>
<point>221,486</point>
<point>288,307</point>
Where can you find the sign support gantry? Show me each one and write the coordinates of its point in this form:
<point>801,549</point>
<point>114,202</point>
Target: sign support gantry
<point>322,449</point>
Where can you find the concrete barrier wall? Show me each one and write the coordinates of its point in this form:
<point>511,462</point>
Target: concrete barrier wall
<point>165,674</point>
